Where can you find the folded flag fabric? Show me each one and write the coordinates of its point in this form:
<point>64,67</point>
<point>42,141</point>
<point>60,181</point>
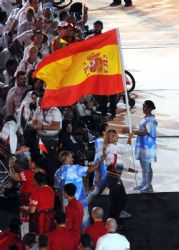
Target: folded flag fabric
<point>92,66</point>
<point>42,147</point>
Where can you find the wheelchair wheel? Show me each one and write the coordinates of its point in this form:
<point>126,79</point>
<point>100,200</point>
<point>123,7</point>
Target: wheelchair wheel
<point>58,4</point>
<point>4,158</point>
<point>4,177</point>
<point>130,81</point>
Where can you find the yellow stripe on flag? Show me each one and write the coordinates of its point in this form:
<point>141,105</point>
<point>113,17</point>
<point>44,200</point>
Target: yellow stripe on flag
<point>74,69</point>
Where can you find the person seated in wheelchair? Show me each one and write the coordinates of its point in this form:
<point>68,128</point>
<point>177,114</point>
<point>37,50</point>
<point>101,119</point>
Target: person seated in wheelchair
<point>68,140</point>
<point>86,111</point>
<point>8,133</point>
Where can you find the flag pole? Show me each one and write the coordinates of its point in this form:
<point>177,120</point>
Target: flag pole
<point>126,97</point>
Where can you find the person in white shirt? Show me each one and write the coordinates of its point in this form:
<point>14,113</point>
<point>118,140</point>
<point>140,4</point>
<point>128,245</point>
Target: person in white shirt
<point>10,19</point>
<point>15,94</point>
<point>8,73</point>
<point>25,37</point>
<point>21,15</point>
<point>27,109</point>
<point>117,194</point>
<point>112,240</point>
<point>28,23</point>
<point>48,123</point>
<point>30,63</point>
<point>40,41</point>
<point>9,133</point>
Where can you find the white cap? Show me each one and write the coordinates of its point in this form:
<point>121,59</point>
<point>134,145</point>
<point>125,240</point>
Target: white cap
<point>62,24</point>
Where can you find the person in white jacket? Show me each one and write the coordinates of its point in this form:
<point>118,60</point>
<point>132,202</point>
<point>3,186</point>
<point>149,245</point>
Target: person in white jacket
<point>112,240</point>
<point>117,194</point>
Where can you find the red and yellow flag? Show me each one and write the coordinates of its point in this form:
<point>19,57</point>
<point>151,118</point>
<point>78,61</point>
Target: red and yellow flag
<point>92,66</point>
<point>42,147</point>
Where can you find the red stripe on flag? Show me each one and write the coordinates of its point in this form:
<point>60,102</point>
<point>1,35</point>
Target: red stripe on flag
<point>95,85</point>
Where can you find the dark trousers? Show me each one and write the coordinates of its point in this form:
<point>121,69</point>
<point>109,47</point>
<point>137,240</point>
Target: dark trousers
<point>126,1</point>
<point>42,222</point>
<point>30,138</point>
<point>117,196</point>
<point>50,161</point>
<point>103,101</point>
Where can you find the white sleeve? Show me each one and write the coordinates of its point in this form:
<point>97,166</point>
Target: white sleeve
<point>25,37</point>
<point>122,148</point>
<point>21,67</point>
<point>57,117</point>
<point>12,139</point>
<point>21,10</point>
<point>127,244</point>
<point>99,245</point>
<point>20,29</point>
<point>26,113</point>
<point>80,110</point>
<point>26,52</point>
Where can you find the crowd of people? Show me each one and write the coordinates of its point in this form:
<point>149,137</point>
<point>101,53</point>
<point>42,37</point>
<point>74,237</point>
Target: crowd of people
<point>53,150</point>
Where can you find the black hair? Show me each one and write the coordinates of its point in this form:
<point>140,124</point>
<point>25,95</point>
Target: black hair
<point>98,22</point>
<point>20,73</point>
<point>70,189</point>
<point>29,239</point>
<point>13,247</point>
<point>150,104</point>
<point>9,118</point>
<point>102,128</point>
<point>63,155</point>
<point>34,93</point>
<point>86,240</point>
<point>40,178</point>
<point>60,217</point>
<point>76,8</point>
<point>35,33</point>
<point>41,94</point>
<point>65,124</point>
<point>37,159</point>
<point>11,62</point>
<point>3,16</point>
<point>43,240</point>
<point>22,161</point>
<point>33,81</point>
<point>63,15</point>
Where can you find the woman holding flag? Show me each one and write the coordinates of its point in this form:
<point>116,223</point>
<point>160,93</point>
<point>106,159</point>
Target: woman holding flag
<point>117,194</point>
<point>145,149</point>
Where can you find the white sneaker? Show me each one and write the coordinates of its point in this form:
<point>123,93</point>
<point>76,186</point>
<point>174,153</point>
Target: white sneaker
<point>124,215</point>
<point>138,187</point>
<point>147,189</point>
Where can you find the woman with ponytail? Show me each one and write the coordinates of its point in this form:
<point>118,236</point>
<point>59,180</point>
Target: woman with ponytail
<point>117,194</point>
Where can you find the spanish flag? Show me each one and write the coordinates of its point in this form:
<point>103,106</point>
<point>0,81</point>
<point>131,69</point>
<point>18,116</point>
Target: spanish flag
<point>92,66</point>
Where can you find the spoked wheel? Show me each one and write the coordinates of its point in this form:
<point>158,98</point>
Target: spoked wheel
<point>130,84</point>
<point>59,4</point>
<point>4,159</point>
<point>4,177</point>
<point>130,81</point>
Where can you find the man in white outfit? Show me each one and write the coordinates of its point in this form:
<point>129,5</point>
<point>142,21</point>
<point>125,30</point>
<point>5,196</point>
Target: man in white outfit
<point>112,240</point>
